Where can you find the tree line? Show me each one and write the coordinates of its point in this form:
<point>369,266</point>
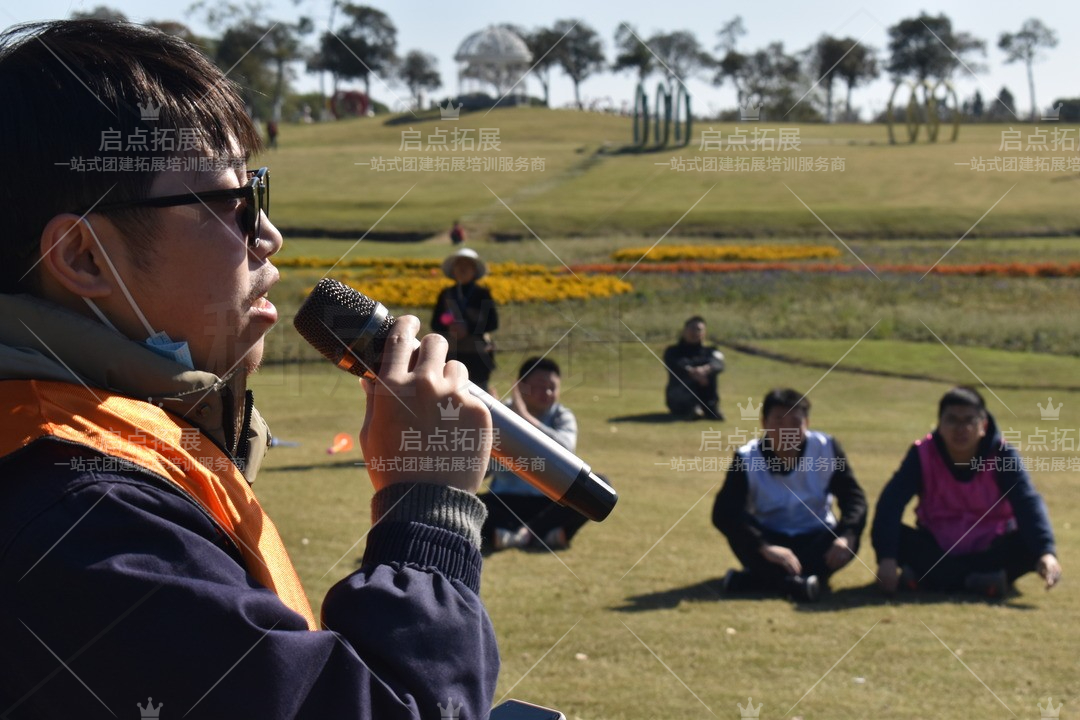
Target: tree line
<point>360,44</point>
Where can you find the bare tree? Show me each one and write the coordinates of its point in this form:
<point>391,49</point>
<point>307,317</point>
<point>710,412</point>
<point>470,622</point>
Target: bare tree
<point>1024,46</point>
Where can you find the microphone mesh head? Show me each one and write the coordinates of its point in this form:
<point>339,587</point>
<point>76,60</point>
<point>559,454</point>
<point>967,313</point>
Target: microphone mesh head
<point>333,319</point>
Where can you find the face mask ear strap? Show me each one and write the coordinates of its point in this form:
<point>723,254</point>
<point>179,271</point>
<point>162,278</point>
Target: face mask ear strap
<point>100,315</point>
<point>120,281</point>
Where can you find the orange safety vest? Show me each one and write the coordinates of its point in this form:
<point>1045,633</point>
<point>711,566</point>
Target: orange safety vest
<point>147,436</point>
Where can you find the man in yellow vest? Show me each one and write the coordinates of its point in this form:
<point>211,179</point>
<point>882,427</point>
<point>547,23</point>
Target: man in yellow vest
<point>135,561</point>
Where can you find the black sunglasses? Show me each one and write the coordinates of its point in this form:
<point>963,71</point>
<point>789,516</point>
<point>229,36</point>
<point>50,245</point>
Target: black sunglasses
<point>256,196</point>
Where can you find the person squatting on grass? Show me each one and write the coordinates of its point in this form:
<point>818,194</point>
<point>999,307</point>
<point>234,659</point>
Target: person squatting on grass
<point>980,522</point>
<point>519,515</point>
<point>775,507</point>
<point>692,366</point>
<point>135,559</point>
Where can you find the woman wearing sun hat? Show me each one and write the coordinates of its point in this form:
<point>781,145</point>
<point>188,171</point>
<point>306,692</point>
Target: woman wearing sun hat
<point>466,315</point>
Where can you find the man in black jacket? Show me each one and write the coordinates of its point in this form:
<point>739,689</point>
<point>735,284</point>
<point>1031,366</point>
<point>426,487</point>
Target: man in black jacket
<point>775,507</point>
<point>135,559</point>
<point>692,369</point>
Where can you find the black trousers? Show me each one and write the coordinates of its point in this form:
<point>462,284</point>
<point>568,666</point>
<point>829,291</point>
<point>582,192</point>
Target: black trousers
<point>920,551</point>
<point>810,548</point>
<point>538,513</point>
<point>480,366</point>
<point>681,401</point>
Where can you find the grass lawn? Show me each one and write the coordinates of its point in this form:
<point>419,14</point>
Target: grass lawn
<point>588,187</point>
<point>629,623</point>
<point>637,595</point>
<point>1020,314</point>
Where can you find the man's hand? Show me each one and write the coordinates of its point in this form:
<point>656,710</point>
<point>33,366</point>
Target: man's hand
<point>699,374</point>
<point>783,557</point>
<point>403,423</point>
<point>841,553</point>
<point>1049,569</point>
<point>888,575</point>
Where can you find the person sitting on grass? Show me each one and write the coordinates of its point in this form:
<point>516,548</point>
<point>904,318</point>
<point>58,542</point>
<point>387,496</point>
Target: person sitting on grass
<point>519,515</point>
<point>692,369</point>
<point>980,522</point>
<point>775,507</point>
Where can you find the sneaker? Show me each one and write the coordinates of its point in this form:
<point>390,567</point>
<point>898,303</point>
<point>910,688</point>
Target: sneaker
<point>993,585</point>
<point>556,539</point>
<point>804,589</point>
<point>735,581</point>
<point>908,580</point>
<point>505,539</point>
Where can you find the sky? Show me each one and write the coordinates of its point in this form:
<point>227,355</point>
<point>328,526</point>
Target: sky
<point>438,29</point>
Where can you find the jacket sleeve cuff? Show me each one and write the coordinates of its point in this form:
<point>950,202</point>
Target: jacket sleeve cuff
<point>443,507</point>
<point>426,547</point>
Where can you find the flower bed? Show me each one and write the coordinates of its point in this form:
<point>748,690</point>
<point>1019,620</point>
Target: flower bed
<point>1018,270</point>
<point>419,291</point>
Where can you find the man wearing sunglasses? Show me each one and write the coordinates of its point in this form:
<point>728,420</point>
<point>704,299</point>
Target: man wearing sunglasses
<point>135,560</point>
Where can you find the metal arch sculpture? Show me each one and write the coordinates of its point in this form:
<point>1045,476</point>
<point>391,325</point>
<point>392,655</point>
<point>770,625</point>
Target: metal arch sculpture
<point>641,115</point>
<point>930,104</point>
<point>667,111</point>
<point>682,99</point>
<point>663,95</point>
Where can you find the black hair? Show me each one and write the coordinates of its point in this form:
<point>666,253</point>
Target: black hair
<point>785,398</point>
<point>695,319</point>
<point>962,396</point>
<point>76,91</point>
<point>538,364</point>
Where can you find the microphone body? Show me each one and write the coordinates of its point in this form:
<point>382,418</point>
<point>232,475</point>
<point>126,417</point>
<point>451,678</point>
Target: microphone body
<point>350,329</point>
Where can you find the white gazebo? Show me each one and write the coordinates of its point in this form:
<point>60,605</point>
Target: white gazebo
<point>495,56</point>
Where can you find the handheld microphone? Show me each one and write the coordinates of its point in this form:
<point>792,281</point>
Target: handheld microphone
<point>349,329</point>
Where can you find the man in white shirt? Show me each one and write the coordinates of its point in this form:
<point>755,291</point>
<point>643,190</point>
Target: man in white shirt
<point>519,515</point>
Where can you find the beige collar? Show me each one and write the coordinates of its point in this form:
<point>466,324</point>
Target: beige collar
<point>40,340</point>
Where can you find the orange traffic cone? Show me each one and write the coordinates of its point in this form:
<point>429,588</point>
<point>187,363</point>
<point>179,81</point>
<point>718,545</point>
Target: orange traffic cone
<point>342,443</point>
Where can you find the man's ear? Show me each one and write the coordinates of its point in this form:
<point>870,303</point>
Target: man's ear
<point>72,259</point>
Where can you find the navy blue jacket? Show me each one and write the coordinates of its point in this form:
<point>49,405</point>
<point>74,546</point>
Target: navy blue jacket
<point>1032,520</point>
<point>115,588</point>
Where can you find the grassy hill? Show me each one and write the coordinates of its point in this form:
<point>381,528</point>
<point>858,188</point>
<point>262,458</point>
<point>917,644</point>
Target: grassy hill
<point>589,187</point>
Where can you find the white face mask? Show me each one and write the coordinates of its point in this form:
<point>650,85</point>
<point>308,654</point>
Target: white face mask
<point>159,342</point>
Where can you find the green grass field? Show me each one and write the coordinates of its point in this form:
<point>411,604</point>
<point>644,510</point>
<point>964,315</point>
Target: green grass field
<point>589,188</point>
<point>629,623</point>
<point>651,569</point>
